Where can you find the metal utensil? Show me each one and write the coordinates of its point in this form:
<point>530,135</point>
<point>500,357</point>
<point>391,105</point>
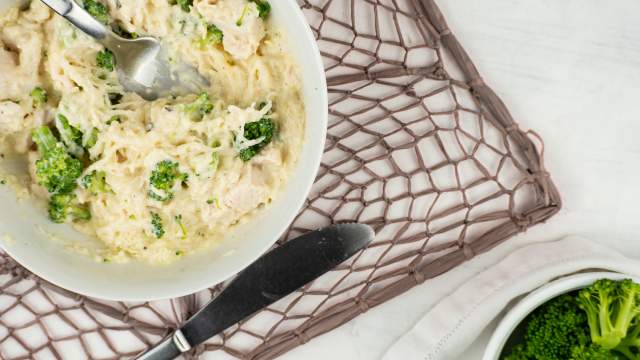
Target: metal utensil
<point>272,277</point>
<point>142,63</point>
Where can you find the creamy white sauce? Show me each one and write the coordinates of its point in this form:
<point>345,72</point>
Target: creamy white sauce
<point>251,66</point>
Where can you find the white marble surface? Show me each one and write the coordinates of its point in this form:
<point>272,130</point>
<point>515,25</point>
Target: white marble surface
<point>570,70</point>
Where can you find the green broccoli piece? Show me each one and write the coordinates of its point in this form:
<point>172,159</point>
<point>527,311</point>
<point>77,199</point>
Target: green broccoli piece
<point>242,16</point>
<point>64,207</point>
<point>214,36</point>
<point>592,352</point>
<point>630,345</point>
<point>163,178</point>
<point>93,138</point>
<point>39,96</point>
<point>200,107</point>
<point>68,132</point>
<point>70,135</point>
<point>56,170</point>
<point>157,228</point>
<point>263,104</point>
<point>216,201</point>
<point>517,353</point>
<point>120,31</point>
<point>44,139</point>
<point>183,228</point>
<point>215,160</point>
<point>256,130</point>
<point>106,60</point>
<point>98,10</point>
<point>73,138</point>
<point>95,183</point>
<point>553,331</point>
<point>185,5</point>
<point>613,311</point>
<point>114,119</point>
<point>264,8</point>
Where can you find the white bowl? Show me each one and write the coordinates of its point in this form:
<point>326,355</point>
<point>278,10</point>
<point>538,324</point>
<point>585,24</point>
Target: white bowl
<point>532,301</point>
<point>22,225</point>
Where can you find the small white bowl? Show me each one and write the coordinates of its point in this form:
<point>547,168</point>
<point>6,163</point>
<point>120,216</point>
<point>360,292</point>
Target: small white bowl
<point>532,301</point>
<point>23,228</point>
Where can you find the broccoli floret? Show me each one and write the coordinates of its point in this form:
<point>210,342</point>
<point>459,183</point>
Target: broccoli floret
<point>592,352</point>
<point>613,311</point>
<point>554,330</point>
<point>64,207</point>
<point>517,353</point>
<point>56,170</point>
<point>264,8</point>
<point>214,36</point>
<point>163,178</point>
<point>157,228</point>
<point>183,228</point>
<point>95,183</point>
<point>185,5</point>
<point>106,60</point>
<point>256,130</point>
<point>200,107</point>
<point>39,96</point>
<point>97,10</point>
<point>71,136</point>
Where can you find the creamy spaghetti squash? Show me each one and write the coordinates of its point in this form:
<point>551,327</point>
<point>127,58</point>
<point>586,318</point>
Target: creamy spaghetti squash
<point>153,181</point>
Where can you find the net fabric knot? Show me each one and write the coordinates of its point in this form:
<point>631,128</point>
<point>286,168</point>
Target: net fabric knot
<point>468,252</point>
<point>445,32</point>
<point>478,82</point>
<point>522,222</point>
<point>362,304</point>
<point>418,276</point>
<point>301,336</point>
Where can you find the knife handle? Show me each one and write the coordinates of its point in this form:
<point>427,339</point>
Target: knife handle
<point>168,349</point>
<point>269,279</point>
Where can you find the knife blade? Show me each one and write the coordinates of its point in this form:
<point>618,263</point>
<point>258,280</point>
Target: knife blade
<point>274,276</point>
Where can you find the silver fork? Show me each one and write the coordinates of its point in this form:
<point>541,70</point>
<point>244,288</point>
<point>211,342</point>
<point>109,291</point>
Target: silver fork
<point>142,63</point>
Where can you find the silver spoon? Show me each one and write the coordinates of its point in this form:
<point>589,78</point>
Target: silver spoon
<point>142,63</point>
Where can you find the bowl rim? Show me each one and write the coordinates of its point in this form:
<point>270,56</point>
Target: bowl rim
<point>535,299</point>
<point>311,165</point>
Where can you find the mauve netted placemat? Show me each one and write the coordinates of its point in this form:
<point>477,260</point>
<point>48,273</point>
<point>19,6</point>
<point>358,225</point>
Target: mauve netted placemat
<point>419,147</point>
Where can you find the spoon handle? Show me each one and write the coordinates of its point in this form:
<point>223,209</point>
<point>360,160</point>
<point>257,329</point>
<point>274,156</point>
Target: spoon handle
<point>76,15</point>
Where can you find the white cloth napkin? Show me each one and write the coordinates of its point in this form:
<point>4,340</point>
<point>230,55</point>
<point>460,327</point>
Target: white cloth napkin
<point>453,324</point>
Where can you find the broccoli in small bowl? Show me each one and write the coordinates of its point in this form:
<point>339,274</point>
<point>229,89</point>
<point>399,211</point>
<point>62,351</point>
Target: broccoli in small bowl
<point>591,316</point>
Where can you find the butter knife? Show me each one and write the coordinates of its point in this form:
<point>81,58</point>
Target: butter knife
<point>274,276</point>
